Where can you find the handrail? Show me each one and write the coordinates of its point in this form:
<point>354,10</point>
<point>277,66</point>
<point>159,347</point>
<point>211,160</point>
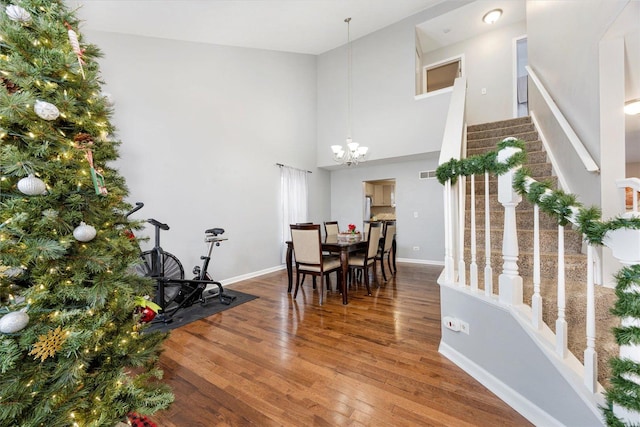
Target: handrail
<point>452,139</point>
<point>589,164</point>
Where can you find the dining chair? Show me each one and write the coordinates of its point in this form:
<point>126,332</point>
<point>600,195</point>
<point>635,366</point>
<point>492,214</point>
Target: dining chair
<point>362,262</point>
<point>303,276</point>
<point>307,248</point>
<point>331,228</point>
<point>365,226</point>
<point>385,247</point>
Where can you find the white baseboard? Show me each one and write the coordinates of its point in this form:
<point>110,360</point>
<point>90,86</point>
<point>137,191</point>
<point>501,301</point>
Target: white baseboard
<point>282,267</point>
<point>512,398</point>
<point>421,261</point>
<point>252,275</point>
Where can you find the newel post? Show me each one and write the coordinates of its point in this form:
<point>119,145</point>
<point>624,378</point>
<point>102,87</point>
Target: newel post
<point>510,281</point>
<point>625,246</point>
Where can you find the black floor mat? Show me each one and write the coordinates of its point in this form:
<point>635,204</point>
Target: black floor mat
<point>198,311</point>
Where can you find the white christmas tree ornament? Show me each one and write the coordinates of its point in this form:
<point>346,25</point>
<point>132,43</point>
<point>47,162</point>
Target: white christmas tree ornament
<point>46,110</point>
<point>18,14</point>
<point>32,186</point>
<point>84,232</point>
<point>13,322</point>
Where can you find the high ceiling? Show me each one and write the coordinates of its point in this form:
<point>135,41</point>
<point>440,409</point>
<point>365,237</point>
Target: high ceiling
<point>300,26</point>
<point>312,26</point>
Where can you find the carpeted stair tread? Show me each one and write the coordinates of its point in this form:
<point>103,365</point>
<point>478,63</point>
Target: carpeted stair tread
<point>529,137</point>
<point>500,133</point>
<point>524,219</point>
<point>548,239</point>
<point>480,147</point>
<point>498,124</point>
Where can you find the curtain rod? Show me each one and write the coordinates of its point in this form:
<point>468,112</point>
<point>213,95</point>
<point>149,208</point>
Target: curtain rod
<point>285,166</point>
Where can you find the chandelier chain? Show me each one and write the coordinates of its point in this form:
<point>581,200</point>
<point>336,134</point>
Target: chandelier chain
<point>352,153</point>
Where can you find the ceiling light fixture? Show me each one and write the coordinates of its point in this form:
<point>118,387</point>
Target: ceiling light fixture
<point>353,153</point>
<point>632,107</point>
<point>492,16</point>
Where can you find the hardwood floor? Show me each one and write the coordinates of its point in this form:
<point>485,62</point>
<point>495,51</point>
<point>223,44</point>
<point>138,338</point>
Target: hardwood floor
<point>277,361</point>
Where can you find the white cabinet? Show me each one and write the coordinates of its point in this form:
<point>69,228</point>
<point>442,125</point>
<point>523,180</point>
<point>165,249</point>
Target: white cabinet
<point>383,195</point>
<point>378,195</point>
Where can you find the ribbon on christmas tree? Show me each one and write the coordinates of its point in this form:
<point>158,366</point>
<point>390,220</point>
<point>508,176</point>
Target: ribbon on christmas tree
<point>85,141</point>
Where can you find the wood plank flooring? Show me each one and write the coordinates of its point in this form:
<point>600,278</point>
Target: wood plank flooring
<point>276,361</point>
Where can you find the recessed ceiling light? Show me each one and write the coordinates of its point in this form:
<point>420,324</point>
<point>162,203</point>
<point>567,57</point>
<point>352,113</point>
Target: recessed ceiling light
<point>492,16</point>
<point>632,107</point>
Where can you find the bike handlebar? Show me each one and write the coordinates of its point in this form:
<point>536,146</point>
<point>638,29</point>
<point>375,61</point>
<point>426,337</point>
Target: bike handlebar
<point>139,206</point>
<point>158,224</point>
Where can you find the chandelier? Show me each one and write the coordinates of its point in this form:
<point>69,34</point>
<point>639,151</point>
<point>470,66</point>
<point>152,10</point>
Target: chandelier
<point>352,153</point>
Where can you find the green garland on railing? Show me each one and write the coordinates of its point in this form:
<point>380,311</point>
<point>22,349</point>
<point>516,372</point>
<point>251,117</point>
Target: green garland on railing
<point>565,208</point>
<point>482,163</point>
<point>624,392</point>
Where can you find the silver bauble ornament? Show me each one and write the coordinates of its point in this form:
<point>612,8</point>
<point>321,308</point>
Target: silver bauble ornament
<point>31,185</point>
<point>108,99</point>
<point>18,14</point>
<point>13,322</point>
<point>46,110</point>
<point>84,232</point>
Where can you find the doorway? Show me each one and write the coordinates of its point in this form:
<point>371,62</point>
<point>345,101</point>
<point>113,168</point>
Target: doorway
<point>521,77</point>
<point>380,200</point>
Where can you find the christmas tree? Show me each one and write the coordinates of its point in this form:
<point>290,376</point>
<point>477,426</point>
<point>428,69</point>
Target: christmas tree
<point>72,350</point>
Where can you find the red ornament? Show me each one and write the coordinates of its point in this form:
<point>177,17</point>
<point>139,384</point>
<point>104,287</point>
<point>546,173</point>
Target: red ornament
<point>146,314</point>
<point>137,420</point>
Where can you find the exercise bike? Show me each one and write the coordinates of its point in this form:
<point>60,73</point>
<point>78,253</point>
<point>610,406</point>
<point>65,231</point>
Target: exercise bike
<point>173,292</point>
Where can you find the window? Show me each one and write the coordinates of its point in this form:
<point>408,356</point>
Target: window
<point>442,74</point>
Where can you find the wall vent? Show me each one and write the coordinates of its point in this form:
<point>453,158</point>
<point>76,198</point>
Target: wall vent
<point>428,174</point>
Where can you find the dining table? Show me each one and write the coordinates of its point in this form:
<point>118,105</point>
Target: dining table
<point>331,244</point>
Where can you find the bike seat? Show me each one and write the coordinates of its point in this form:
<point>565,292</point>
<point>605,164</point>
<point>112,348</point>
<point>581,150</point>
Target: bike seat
<point>215,231</point>
<point>158,224</point>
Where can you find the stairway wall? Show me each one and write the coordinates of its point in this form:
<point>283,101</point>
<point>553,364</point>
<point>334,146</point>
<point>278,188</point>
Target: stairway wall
<point>500,353</point>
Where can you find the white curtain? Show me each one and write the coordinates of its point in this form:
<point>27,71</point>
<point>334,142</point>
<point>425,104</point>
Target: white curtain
<point>294,188</point>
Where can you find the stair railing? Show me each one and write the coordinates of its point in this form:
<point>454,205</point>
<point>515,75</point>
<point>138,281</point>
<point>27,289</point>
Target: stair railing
<point>622,235</point>
<point>454,147</point>
<point>578,146</point>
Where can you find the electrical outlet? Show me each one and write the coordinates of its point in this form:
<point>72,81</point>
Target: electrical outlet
<point>451,323</point>
<point>416,248</point>
<point>464,327</point>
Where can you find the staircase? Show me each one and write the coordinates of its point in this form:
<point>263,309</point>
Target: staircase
<point>484,137</point>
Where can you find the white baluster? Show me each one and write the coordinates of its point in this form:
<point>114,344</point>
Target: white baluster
<point>462,194</point>
<point>473,267</point>
<point>536,299</point>
<point>448,233</point>
<point>488,271</point>
<point>590,355</point>
<point>510,281</point>
<point>561,322</point>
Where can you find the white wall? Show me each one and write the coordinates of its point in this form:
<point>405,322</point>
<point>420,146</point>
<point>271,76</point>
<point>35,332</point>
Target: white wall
<point>564,41</point>
<point>501,354</point>
<point>633,170</point>
<point>413,196</point>
<point>404,135</point>
<point>385,115</point>
<point>202,128</point>
<point>488,64</point>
